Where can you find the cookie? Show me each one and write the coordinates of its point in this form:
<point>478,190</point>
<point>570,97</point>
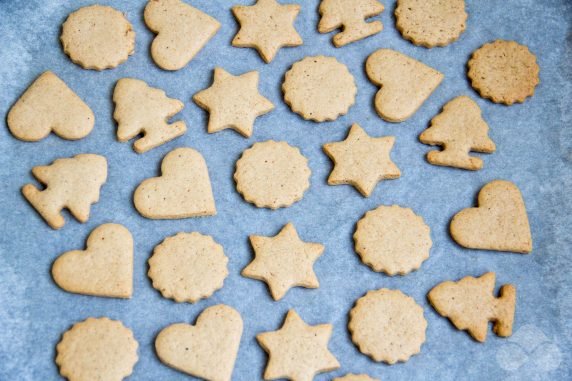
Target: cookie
<point>97,349</point>
<point>183,190</point>
<point>387,325</point>
<point>104,268</point>
<point>233,102</point>
<point>431,23</point>
<point>297,351</point>
<point>182,31</point>
<point>49,105</point>
<point>71,183</point>
<point>98,37</point>
<point>498,223</point>
<point>355,377</point>
<point>188,267</point>
<point>207,349</point>
<point>460,129</point>
<point>266,26</point>
<point>405,83</point>
<point>504,72</point>
<point>393,240</point>
<point>361,161</point>
<point>272,174</point>
<point>470,304</point>
<point>283,261</point>
<point>319,88</point>
<point>351,17</point>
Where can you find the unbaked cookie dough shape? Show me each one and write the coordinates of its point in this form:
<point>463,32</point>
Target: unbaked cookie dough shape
<point>500,221</point>
<point>141,109</point>
<point>183,190</point>
<point>97,349</point>
<point>98,37</point>
<point>272,174</point>
<point>182,31</point>
<point>319,88</point>
<point>355,377</point>
<point>188,267</point>
<point>104,268</point>
<point>431,23</point>
<point>387,325</point>
<point>504,72</point>
<point>405,83</point>
<point>207,349</point>
<point>49,105</point>
<point>71,183</point>
<point>393,240</point>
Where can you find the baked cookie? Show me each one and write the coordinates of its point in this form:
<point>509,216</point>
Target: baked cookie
<point>361,161</point>
<point>504,72</point>
<point>272,175</point>
<point>355,377</point>
<point>98,37</point>
<point>233,102</point>
<point>387,325</point>
<point>393,240</point>
<point>498,223</point>
<point>319,88</point>
<point>460,129</point>
<point>181,30</point>
<point>431,23</point>
<point>188,267</point>
<point>49,105</point>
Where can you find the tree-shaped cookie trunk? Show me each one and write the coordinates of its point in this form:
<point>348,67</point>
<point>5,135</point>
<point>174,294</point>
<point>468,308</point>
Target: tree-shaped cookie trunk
<point>460,129</point>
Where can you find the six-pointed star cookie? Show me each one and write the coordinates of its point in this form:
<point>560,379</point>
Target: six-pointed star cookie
<point>284,261</point>
<point>361,160</point>
<point>266,26</point>
<point>297,351</point>
<point>233,102</point>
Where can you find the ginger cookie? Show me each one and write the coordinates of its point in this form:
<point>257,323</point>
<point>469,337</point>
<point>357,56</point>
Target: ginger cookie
<point>431,23</point>
<point>470,304</point>
<point>319,88</point>
<point>393,240</point>
<point>141,109</point>
<point>266,26</point>
<point>98,37</point>
<point>297,351</point>
<point>183,190</point>
<point>182,31</point>
<point>104,268</point>
<point>188,267</point>
<point>71,183</point>
<point>361,161</point>
<point>272,174</point>
<point>283,261</point>
<point>405,83</point>
<point>97,349</point>
<point>504,72</point>
<point>233,102</point>
<point>500,221</point>
<point>355,377</point>
<point>460,129</point>
<point>351,17</point>
<point>50,105</point>
<point>387,325</point>
<point>207,349</point>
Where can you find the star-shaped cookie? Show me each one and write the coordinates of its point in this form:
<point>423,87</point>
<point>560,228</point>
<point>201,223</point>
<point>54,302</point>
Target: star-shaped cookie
<point>361,160</point>
<point>233,102</point>
<point>266,26</point>
<point>297,351</point>
<point>284,261</point>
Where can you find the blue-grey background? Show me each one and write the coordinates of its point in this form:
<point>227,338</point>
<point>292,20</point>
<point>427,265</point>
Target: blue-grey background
<point>534,150</point>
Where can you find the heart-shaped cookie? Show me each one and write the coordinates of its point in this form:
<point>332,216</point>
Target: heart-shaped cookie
<point>207,349</point>
<point>498,223</point>
<point>405,83</point>
<point>183,190</point>
<point>104,268</point>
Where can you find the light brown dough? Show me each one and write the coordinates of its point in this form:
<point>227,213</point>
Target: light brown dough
<point>355,377</point>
